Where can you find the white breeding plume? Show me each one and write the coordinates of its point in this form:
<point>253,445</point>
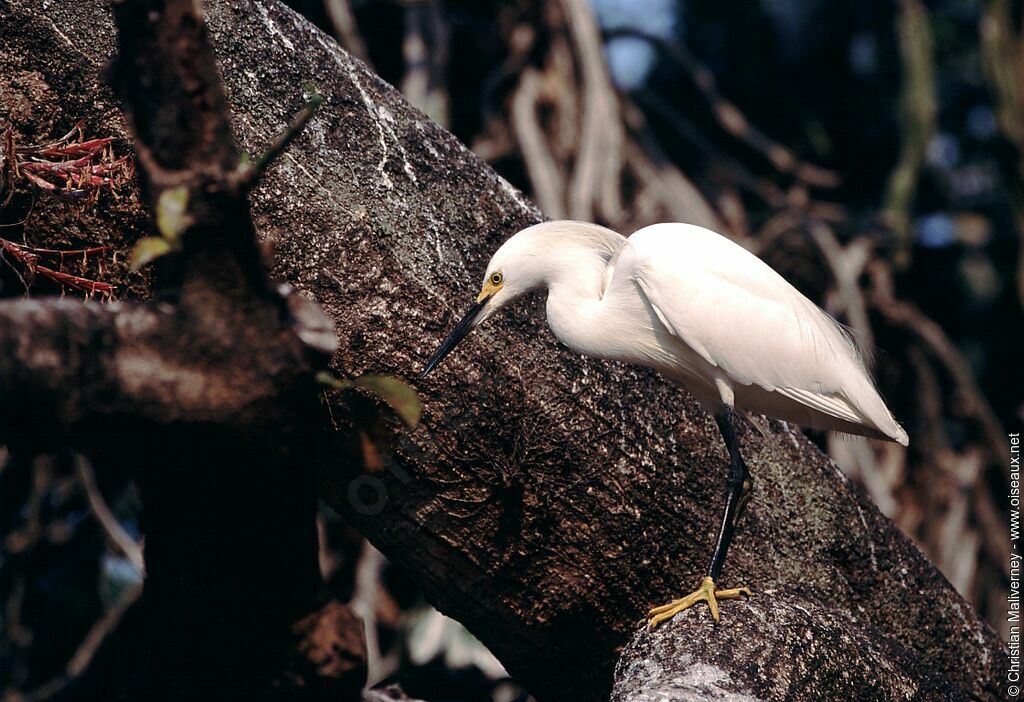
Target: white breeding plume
<point>709,316</point>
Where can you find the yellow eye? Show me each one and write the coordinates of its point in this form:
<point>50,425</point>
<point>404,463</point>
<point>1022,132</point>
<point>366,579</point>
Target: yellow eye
<point>496,278</point>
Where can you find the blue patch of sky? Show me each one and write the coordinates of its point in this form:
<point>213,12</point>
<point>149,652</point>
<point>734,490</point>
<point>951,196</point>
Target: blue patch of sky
<point>864,54</point>
<point>631,59</point>
<point>943,151</point>
<point>981,123</point>
<point>936,230</point>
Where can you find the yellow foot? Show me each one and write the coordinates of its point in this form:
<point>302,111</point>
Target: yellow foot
<point>706,592</point>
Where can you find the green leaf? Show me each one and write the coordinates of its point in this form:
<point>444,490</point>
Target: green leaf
<point>327,378</point>
<point>311,93</point>
<point>148,250</point>
<point>172,213</point>
<point>398,395</point>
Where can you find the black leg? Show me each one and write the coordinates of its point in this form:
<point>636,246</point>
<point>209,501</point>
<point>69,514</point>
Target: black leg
<point>738,485</point>
<point>738,490</point>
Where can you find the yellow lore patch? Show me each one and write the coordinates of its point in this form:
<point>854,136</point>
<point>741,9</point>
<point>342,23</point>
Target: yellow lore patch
<point>489,289</point>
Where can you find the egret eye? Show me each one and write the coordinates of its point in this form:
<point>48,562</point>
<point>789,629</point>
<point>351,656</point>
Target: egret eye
<point>496,278</point>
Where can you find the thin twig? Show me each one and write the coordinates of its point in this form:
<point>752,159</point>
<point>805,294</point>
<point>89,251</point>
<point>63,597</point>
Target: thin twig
<point>654,169</point>
<point>729,116</point>
<point>66,253</point>
<point>425,51</point>
<point>846,269</point>
<point>113,529</point>
<point>68,167</point>
<point>87,649</point>
<point>918,120</point>
<point>249,172</point>
<point>343,20</point>
<point>906,315</point>
<point>29,259</point>
<point>545,177</point>
<point>595,179</point>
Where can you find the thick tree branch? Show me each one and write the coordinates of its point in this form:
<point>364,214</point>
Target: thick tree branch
<point>70,368</point>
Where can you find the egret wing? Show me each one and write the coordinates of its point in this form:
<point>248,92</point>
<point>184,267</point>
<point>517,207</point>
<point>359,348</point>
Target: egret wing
<point>743,318</point>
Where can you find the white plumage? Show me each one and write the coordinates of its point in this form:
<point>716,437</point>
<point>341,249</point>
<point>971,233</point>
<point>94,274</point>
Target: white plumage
<point>703,311</point>
<point>709,316</point>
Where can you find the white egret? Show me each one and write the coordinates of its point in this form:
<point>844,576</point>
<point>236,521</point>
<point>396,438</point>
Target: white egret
<point>710,317</point>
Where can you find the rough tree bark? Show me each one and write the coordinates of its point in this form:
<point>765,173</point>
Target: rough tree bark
<point>547,500</point>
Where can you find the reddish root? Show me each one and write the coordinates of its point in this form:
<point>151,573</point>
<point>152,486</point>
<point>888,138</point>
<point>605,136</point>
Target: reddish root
<point>73,168</point>
<point>70,167</point>
<point>28,258</point>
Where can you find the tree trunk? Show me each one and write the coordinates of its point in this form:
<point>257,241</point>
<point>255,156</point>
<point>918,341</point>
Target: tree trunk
<point>547,500</point>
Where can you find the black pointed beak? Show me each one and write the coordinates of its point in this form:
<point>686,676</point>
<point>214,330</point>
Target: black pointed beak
<point>452,340</point>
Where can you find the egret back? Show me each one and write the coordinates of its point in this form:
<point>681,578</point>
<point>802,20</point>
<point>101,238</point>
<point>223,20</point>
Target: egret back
<point>779,352</point>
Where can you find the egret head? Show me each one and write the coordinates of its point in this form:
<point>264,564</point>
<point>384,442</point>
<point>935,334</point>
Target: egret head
<point>513,270</point>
